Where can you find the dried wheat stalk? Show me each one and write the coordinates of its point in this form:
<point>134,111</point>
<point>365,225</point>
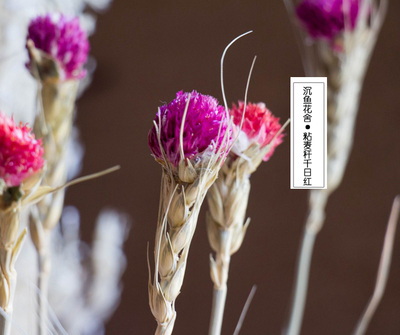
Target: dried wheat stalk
<point>179,209</point>
<point>226,227</point>
<point>12,200</point>
<point>345,73</point>
<point>53,123</point>
<point>182,194</point>
<point>383,270</point>
<point>183,189</point>
<point>226,224</point>
<point>10,245</point>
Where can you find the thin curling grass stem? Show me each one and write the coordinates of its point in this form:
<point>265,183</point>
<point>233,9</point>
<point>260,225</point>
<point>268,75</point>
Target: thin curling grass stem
<point>383,271</point>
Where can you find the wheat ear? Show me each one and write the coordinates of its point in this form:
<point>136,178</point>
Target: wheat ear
<point>226,225</point>
<point>10,245</point>
<point>181,197</point>
<point>12,200</point>
<point>53,123</point>
<point>179,210</point>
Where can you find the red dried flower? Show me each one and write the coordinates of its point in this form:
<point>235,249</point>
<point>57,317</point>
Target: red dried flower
<point>259,126</point>
<point>21,155</point>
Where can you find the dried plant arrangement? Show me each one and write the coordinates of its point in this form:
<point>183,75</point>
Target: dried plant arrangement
<point>21,172</point>
<point>21,166</point>
<point>58,49</point>
<point>191,138</point>
<point>336,39</point>
<point>205,149</point>
<point>257,133</point>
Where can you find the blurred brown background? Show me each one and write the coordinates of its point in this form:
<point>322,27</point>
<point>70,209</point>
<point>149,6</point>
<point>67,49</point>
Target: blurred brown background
<point>147,51</point>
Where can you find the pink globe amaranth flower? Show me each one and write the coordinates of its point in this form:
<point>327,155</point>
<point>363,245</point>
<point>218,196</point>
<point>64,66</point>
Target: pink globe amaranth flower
<point>64,40</point>
<point>205,118</point>
<point>21,155</point>
<point>259,126</point>
<point>325,18</point>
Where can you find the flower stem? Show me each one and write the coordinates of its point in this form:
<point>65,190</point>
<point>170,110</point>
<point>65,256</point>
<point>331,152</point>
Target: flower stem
<point>166,328</point>
<point>315,220</point>
<point>383,270</point>
<point>217,313</point>
<point>221,265</point>
<point>44,264</point>
<point>301,285</point>
<point>9,249</point>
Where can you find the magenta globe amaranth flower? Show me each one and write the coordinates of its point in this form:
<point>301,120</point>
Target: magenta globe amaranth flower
<point>204,129</point>
<point>63,39</point>
<point>21,155</point>
<point>257,126</point>
<point>327,18</point>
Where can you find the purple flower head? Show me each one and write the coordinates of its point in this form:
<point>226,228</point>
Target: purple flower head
<point>205,119</point>
<point>64,40</point>
<point>325,18</point>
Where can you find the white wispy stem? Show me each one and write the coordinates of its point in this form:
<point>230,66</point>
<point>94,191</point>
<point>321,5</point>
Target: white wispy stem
<point>245,310</point>
<point>383,271</point>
